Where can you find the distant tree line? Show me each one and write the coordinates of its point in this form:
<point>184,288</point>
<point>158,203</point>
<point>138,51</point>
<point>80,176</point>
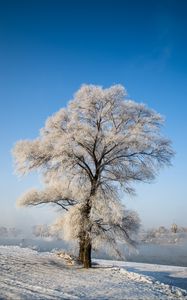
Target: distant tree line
<point>9,232</point>
<point>173,234</point>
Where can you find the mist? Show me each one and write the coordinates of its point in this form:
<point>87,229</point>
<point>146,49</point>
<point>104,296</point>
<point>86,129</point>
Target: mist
<point>156,246</point>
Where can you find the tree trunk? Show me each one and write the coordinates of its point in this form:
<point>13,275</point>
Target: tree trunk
<point>81,249</point>
<point>85,249</point>
<point>85,246</point>
<point>87,253</point>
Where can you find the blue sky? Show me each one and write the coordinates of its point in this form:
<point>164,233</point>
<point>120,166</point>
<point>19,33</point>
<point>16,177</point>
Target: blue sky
<point>49,48</point>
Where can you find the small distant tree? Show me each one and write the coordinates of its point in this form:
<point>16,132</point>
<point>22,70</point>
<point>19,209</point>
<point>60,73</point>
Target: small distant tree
<point>41,230</point>
<point>162,229</point>
<point>3,231</point>
<point>89,153</point>
<point>14,231</point>
<point>174,228</point>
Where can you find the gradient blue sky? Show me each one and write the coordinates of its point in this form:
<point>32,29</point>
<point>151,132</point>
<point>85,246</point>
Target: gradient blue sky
<point>49,48</point>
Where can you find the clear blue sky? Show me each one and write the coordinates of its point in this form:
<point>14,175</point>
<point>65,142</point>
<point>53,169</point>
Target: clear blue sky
<point>49,48</point>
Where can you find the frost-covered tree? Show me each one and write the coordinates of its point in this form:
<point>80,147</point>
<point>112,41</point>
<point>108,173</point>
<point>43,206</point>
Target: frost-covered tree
<point>88,153</point>
<point>3,231</point>
<point>174,228</point>
<point>41,230</point>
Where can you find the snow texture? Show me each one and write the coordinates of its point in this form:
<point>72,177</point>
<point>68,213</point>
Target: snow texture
<point>27,274</point>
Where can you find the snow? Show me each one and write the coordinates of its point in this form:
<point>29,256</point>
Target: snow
<point>28,274</point>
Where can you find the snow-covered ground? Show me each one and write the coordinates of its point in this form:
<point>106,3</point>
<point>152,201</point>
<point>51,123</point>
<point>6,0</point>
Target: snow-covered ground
<point>28,274</point>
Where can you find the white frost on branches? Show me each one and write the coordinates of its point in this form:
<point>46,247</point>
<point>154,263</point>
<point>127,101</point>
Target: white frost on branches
<point>88,153</point>
<point>61,193</point>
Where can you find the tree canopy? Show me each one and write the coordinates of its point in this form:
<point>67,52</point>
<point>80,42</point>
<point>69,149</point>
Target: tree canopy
<point>89,154</point>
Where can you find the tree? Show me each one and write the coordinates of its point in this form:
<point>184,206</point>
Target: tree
<point>174,228</point>
<point>89,153</point>
<point>41,230</point>
<point>3,231</point>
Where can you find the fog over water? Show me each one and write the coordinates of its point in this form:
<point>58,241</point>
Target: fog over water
<point>173,254</point>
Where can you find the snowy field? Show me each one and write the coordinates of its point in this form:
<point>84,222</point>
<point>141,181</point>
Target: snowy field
<point>28,274</point>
